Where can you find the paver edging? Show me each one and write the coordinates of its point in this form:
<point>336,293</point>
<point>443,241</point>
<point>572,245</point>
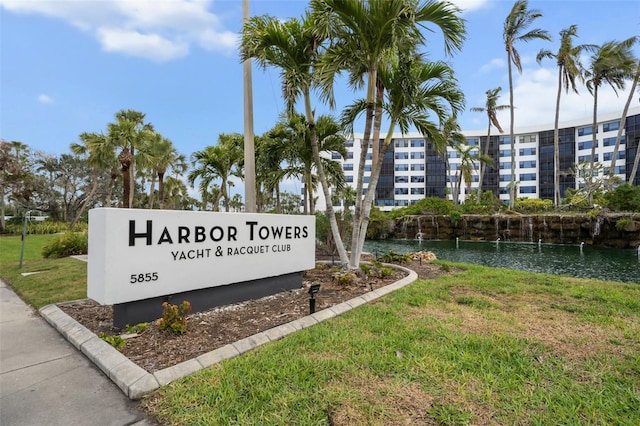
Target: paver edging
<point>135,382</point>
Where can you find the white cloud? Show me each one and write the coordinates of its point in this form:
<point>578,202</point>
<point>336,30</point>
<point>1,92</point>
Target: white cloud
<point>155,30</point>
<point>535,94</point>
<point>469,5</point>
<point>149,46</point>
<point>45,99</point>
<point>493,64</point>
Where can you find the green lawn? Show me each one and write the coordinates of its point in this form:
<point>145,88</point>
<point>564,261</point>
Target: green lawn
<point>58,280</point>
<point>486,346</point>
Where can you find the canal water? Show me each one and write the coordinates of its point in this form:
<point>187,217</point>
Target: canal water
<point>584,262</point>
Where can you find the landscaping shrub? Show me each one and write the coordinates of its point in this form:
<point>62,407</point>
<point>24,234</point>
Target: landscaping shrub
<point>625,198</point>
<point>68,244</point>
<point>533,205</point>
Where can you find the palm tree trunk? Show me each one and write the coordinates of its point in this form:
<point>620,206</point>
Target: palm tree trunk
<point>482,164</point>
<point>556,145</point>
<point>161,189</point>
<point>344,259</point>
<point>594,141</point>
<point>512,190</point>
<point>152,190</point>
<point>632,176</point>
<point>364,147</point>
<point>621,127</point>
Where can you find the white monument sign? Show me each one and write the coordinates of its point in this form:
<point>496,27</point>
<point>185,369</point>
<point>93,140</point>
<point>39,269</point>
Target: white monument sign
<point>139,254</point>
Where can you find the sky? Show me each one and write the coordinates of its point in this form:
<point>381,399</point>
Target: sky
<point>67,67</point>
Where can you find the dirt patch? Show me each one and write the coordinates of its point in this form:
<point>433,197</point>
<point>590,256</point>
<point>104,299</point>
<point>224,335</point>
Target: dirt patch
<point>155,350</point>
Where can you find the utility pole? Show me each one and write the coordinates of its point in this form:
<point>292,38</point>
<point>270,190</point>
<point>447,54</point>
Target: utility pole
<point>249,140</point>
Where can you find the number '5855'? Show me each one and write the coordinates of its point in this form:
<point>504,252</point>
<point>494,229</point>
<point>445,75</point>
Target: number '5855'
<point>143,278</point>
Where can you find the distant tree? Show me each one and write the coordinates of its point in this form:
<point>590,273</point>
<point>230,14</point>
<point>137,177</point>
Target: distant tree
<point>569,70</point>
<point>611,64</point>
<point>491,108</point>
<point>516,26</point>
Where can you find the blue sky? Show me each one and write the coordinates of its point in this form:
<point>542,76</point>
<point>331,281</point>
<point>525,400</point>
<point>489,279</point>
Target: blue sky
<point>68,66</point>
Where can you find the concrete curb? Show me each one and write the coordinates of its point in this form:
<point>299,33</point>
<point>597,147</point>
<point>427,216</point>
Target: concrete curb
<point>135,382</point>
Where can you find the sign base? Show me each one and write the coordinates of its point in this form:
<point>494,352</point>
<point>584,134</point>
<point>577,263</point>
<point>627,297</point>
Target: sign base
<point>146,310</point>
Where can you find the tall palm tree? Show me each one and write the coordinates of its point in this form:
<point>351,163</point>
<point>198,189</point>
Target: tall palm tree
<point>491,108</point>
<point>611,64</point>
<point>414,90</point>
<point>569,70</point>
<point>364,35</point>
<point>292,47</point>
<point>128,132</point>
<point>221,162</point>
<point>451,133</point>
<point>516,29</point>
<point>634,85</point>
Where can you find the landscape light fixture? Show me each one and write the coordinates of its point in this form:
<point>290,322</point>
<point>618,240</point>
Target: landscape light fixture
<point>313,290</point>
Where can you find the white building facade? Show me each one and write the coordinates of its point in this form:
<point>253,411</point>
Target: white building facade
<point>413,169</point>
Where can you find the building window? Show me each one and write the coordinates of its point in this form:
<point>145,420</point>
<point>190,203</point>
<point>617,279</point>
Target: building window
<point>366,179</point>
<point>584,131</point>
<point>347,167</point>
<point>349,155</point>
<point>401,191</point>
<point>349,179</point>
<point>527,176</point>
<point>612,141</point>
<point>527,189</point>
<point>607,156</point>
<point>505,140</point>
<point>401,143</point>
<point>416,143</point>
<point>336,156</point>
<point>505,178</point>
<point>610,127</point>
<point>505,165</point>
<point>527,164</point>
<point>369,156</point>
<point>418,167</point>
<point>453,154</point>
<point>402,203</point>
<point>527,151</point>
<point>401,167</point>
<point>402,179</point>
<point>350,144</point>
<point>505,153</point>
<point>587,145</point>
<point>582,158</point>
<point>473,141</point>
<point>417,191</point>
<point>417,179</point>
<point>620,170</point>
<point>417,155</point>
<point>401,156</point>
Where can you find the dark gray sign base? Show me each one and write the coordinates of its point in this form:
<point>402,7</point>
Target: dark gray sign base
<point>151,309</point>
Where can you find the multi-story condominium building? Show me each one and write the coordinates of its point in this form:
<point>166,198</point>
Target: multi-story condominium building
<point>413,169</point>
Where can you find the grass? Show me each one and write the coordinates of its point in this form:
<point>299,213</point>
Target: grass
<point>487,346</point>
<point>59,280</point>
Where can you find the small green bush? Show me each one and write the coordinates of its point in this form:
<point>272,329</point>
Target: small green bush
<point>393,257</point>
<point>174,317</point>
<point>68,244</point>
<point>532,205</point>
<point>115,341</point>
<point>624,198</point>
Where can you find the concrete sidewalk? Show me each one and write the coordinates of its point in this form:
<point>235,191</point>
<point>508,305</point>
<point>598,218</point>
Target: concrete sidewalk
<point>45,380</point>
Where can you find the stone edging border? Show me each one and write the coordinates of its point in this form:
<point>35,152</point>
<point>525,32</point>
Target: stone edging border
<point>135,382</point>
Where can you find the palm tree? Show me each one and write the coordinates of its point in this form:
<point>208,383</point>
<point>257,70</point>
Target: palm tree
<point>451,133</point>
<point>611,64</point>
<point>295,140</point>
<point>515,30</point>
<point>414,89</point>
<point>221,161</point>
<point>364,35</point>
<point>100,156</point>
<point>128,132</point>
<point>292,47</point>
<point>636,76</point>
<point>491,109</point>
<point>160,156</point>
<point>569,69</point>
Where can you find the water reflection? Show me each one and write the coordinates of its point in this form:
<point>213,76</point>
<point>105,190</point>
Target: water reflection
<point>574,260</point>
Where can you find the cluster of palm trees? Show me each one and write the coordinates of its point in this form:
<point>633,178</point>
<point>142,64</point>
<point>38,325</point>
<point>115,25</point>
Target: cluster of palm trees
<point>379,45</point>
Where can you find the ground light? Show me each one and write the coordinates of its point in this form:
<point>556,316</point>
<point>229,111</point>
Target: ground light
<point>313,290</point>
